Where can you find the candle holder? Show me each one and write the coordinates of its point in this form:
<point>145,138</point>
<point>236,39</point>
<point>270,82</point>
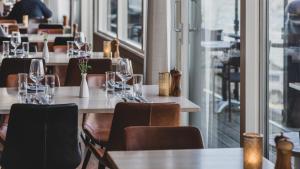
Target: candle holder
<point>164,84</point>
<point>107,49</point>
<point>253,151</point>
<point>25,20</point>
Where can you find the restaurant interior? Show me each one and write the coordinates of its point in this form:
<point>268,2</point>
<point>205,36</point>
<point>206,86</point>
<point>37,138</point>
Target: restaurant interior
<point>149,84</point>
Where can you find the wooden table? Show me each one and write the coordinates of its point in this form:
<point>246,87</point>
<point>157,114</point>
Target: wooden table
<point>62,59</point>
<point>98,102</point>
<point>181,159</point>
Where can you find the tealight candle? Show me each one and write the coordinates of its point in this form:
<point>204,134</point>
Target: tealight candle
<point>164,84</point>
<point>107,49</point>
<point>252,151</point>
<point>25,20</point>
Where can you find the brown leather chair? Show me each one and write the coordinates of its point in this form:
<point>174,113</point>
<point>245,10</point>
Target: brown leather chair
<point>97,126</point>
<point>98,66</point>
<point>162,138</point>
<point>8,78</point>
<point>60,48</point>
<point>51,31</point>
<point>8,21</point>
<point>128,114</point>
<point>13,28</point>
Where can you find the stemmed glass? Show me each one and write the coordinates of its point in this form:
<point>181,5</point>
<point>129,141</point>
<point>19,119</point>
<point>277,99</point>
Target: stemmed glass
<point>124,71</point>
<point>36,72</point>
<point>79,40</point>
<point>15,41</point>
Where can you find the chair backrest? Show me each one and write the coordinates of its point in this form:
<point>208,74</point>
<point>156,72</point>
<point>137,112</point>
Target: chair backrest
<point>96,80</point>
<point>51,26</point>
<point>162,138</point>
<point>49,133</point>
<point>62,40</point>
<point>98,66</point>
<point>14,66</point>
<point>165,114</point>
<point>51,31</point>
<point>60,48</point>
<point>10,21</point>
<point>125,115</point>
<point>13,28</point>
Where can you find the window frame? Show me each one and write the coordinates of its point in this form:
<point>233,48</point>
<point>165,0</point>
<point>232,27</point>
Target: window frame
<point>122,30</point>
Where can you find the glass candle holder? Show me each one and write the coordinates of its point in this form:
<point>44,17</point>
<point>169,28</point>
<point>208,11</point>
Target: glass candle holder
<point>253,151</point>
<point>164,84</point>
<point>107,49</point>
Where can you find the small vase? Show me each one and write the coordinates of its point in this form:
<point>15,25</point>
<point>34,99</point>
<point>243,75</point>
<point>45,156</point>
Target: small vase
<point>84,89</point>
<point>46,49</point>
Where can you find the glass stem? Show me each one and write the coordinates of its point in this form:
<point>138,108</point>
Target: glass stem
<point>36,88</point>
<point>15,51</point>
<point>124,88</point>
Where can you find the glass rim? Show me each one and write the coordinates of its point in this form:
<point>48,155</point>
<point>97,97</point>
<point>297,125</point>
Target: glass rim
<point>108,72</point>
<point>19,74</point>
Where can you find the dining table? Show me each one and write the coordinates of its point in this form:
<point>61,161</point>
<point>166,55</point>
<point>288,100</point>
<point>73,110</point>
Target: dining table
<point>62,59</point>
<point>226,158</point>
<point>99,100</point>
<point>39,38</point>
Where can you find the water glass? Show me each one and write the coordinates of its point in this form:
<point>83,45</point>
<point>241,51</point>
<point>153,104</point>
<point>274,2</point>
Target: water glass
<point>22,85</point>
<point>110,81</point>
<point>88,49</point>
<point>25,49</point>
<point>137,85</point>
<point>70,51</point>
<point>50,86</point>
<point>6,47</point>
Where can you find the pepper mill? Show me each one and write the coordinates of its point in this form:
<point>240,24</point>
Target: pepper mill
<point>115,45</point>
<point>75,29</point>
<point>284,152</point>
<point>175,83</point>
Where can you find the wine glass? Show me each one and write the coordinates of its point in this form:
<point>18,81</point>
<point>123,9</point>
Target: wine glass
<point>36,72</point>
<point>124,71</point>
<point>79,40</point>
<point>15,41</point>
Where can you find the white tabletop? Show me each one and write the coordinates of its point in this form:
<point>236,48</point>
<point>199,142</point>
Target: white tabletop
<point>98,102</point>
<point>37,38</point>
<point>62,59</point>
<point>181,159</point>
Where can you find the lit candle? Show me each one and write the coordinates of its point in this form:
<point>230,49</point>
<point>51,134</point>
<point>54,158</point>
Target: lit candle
<point>25,20</point>
<point>252,151</point>
<point>164,84</point>
<point>107,49</point>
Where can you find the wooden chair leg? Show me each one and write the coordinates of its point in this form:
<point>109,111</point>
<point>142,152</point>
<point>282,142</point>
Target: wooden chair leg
<point>86,159</point>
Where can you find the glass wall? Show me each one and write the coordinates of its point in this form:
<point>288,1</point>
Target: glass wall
<point>283,70</point>
<point>135,20</point>
<point>214,52</point>
<point>108,16</point>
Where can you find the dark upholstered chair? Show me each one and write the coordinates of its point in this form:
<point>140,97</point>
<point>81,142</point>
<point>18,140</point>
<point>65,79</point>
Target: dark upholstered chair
<point>51,28</point>
<point>162,138</point>
<point>8,78</point>
<point>42,136</point>
<point>19,66</point>
<point>126,115</point>
<point>98,66</point>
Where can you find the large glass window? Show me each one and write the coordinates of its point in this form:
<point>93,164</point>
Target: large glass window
<point>214,49</point>
<point>283,70</point>
<point>123,18</point>
<point>135,20</point>
<point>108,16</point>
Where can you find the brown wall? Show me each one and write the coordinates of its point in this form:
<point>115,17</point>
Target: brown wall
<point>136,56</point>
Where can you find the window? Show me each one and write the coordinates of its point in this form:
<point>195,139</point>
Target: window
<point>124,18</point>
<point>135,20</point>
<point>282,65</point>
<point>108,16</point>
